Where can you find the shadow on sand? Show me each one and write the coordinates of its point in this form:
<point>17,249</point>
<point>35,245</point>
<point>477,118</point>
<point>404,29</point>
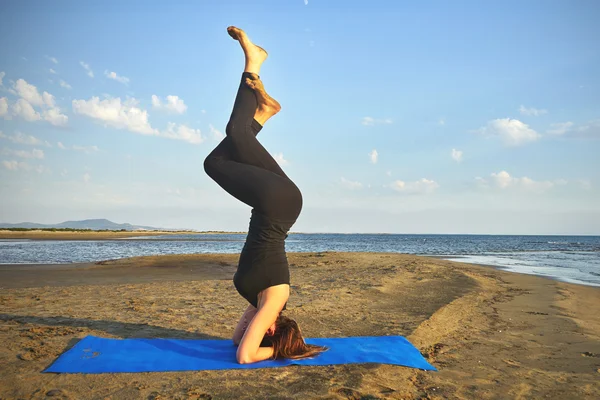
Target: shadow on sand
<point>121,329</point>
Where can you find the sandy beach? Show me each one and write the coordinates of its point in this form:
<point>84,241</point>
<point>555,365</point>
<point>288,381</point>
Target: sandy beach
<point>491,334</point>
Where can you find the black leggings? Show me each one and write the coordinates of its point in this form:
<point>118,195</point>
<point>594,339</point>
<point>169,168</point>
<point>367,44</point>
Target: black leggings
<point>246,170</point>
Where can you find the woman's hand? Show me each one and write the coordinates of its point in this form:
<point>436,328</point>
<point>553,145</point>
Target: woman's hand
<point>243,323</point>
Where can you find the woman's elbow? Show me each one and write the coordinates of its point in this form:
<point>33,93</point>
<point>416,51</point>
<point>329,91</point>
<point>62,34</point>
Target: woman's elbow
<point>243,358</point>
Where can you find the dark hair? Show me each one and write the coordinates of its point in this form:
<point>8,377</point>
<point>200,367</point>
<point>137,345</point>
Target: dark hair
<point>287,341</point>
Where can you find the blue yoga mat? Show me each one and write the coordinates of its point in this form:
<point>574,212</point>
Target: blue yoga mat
<point>93,355</point>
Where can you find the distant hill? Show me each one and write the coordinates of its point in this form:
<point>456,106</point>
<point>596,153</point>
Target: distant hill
<point>95,224</point>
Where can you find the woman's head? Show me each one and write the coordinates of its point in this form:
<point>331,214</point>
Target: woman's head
<point>287,340</point>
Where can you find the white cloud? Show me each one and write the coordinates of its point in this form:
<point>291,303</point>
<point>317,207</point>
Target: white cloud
<point>48,99</point>
<point>52,71</point>
<point>280,160</point>
<point>3,106</point>
<point>373,156</point>
<point>481,182</point>
<point>53,59</point>
<point>64,172</point>
<point>87,177</point>
<point>65,84</point>
<point>588,130</point>
<point>89,71</point>
<point>21,138</point>
<point>113,75</point>
<point>389,173</point>
<point>2,75</point>
<point>112,112</point>
<point>12,165</point>
<point>173,104</point>
<point>418,187</point>
<point>30,97</point>
<point>504,180</point>
<point>584,184</point>
<point>372,121</point>
<point>512,131</point>
<point>30,93</point>
<point>130,101</point>
<point>457,155</point>
<point>560,181</point>
<point>350,184</point>
<point>23,109</point>
<point>85,149</point>
<point>35,153</point>
<point>560,128</point>
<point>75,147</point>
<point>182,132</point>
<point>22,166</point>
<point>217,135</point>
<point>537,185</point>
<point>305,2</point>
<point>126,115</point>
<point>55,117</point>
<point>532,111</point>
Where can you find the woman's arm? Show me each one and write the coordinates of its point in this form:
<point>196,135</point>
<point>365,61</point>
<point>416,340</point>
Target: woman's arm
<point>249,350</point>
<point>243,323</point>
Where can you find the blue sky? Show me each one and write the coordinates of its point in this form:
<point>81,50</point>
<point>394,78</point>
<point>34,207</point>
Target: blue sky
<point>399,117</point>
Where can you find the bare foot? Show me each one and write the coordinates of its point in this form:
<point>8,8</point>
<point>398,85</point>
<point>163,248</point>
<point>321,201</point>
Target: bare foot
<point>267,106</point>
<point>253,52</point>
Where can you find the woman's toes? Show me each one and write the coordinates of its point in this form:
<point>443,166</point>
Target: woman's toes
<point>234,32</point>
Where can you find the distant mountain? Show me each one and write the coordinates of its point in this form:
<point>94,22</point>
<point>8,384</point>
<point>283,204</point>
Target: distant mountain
<point>95,224</point>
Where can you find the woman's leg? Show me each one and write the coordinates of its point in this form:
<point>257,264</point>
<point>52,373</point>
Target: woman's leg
<point>244,168</point>
<point>269,193</point>
<point>242,142</point>
<point>251,109</point>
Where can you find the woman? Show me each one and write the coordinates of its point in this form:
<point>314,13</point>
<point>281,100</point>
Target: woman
<point>246,170</point>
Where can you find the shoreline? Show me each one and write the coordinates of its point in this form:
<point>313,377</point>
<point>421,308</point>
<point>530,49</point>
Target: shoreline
<point>450,258</point>
<point>84,265</point>
<point>504,269</point>
<point>490,333</point>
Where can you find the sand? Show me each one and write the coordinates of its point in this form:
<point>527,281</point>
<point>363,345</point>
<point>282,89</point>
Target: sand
<point>492,334</point>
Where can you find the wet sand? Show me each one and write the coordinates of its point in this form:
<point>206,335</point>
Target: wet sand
<point>492,334</point>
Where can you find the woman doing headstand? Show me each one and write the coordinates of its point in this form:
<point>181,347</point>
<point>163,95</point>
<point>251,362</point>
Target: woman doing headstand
<point>246,170</point>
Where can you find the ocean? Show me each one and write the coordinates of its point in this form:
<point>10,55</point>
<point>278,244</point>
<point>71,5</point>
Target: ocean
<point>574,259</point>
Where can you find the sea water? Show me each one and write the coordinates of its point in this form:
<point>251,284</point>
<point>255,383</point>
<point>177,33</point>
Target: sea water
<point>573,259</point>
